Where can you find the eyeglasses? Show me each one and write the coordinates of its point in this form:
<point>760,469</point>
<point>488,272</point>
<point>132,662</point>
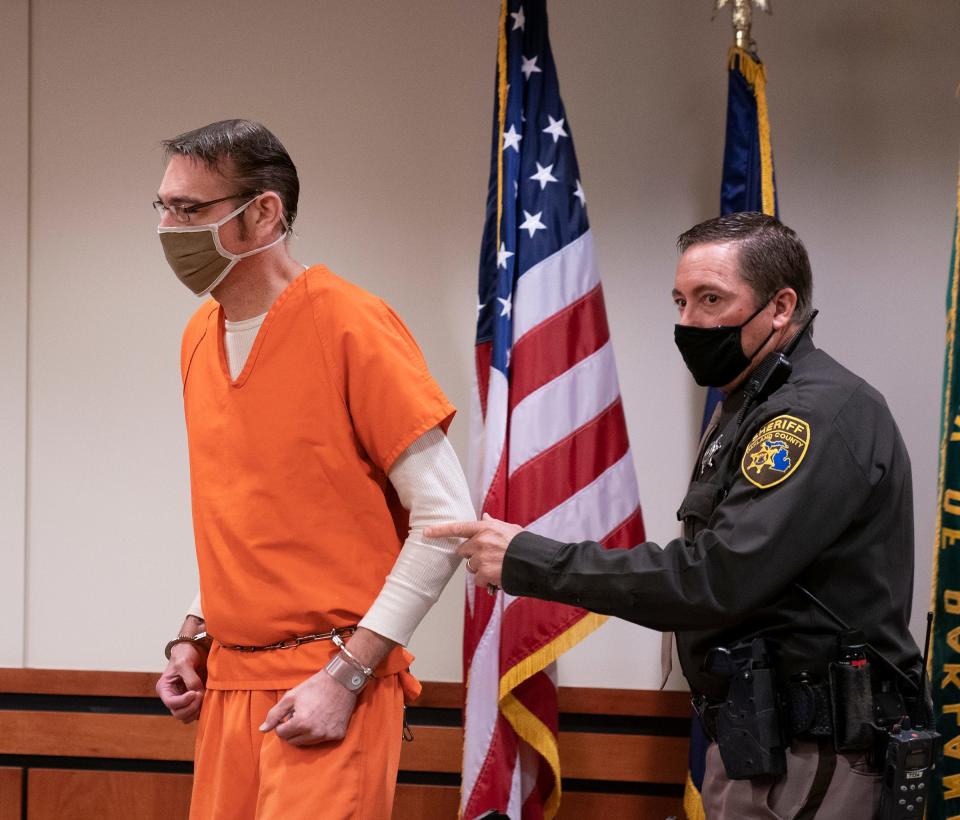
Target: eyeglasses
<point>182,213</point>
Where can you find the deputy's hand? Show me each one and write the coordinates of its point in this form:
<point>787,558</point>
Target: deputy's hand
<point>317,710</point>
<point>486,544</point>
<point>181,685</point>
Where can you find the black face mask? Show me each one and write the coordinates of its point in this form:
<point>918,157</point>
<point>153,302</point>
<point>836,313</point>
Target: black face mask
<point>714,355</point>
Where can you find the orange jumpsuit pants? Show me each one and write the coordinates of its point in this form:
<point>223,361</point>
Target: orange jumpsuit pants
<point>242,774</point>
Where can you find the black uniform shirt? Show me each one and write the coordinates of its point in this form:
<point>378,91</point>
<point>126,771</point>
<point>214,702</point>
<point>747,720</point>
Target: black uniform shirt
<point>813,487</point>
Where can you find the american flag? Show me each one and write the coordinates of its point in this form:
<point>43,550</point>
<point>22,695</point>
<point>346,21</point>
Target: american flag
<point>549,449</point>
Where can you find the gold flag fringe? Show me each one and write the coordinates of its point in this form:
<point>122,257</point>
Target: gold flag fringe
<point>755,74</point>
<point>527,725</point>
<point>692,802</point>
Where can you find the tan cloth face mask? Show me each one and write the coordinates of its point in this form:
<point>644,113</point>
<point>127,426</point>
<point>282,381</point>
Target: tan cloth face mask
<point>196,256</point>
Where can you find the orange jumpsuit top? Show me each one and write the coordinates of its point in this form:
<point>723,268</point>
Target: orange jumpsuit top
<point>296,524</point>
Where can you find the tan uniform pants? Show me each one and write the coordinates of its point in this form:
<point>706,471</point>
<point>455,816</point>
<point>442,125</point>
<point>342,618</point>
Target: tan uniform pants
<point>853,792</point>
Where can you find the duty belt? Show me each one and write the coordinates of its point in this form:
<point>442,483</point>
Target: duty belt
<point>805,710</point>
<point>293,643</point>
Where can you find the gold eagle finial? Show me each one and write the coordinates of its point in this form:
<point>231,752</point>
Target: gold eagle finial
<point>742,15</point>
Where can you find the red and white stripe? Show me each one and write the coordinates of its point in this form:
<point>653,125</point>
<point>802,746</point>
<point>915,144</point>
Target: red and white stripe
<point>549,451</point>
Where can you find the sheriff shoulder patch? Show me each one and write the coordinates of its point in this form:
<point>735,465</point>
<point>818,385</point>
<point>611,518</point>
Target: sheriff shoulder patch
<point>776,451</point>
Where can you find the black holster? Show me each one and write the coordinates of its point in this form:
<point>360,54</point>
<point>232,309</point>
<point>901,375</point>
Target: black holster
<point>748,724</point>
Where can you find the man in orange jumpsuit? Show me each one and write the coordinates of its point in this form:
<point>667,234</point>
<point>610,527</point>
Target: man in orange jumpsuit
<point>317,457</point>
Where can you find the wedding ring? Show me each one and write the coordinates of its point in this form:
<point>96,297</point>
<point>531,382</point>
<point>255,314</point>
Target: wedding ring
<point>470,568</point>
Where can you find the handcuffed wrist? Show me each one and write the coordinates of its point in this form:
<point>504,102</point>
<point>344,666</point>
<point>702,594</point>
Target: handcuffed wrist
<point>347,669</point>
<point>201,640</point>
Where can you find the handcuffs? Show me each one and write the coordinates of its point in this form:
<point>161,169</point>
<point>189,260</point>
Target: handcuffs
<point>344,667</point>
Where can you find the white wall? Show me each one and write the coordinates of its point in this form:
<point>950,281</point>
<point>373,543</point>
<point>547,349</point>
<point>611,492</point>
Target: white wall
<point>14,162</point>
<point>386,110</point>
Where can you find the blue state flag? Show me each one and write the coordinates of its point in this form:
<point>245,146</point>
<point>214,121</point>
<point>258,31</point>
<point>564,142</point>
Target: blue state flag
<point>748,184</point>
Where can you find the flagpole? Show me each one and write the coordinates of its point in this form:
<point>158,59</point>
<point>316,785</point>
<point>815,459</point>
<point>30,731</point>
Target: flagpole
<point>742,19</point>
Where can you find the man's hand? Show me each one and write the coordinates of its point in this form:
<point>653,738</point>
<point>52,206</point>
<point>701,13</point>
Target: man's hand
<point>486,544</point>
<point>181,685</point>
<point>317,710</point>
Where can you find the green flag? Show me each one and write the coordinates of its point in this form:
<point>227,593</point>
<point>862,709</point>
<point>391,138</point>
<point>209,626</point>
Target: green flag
<point>945,662</point>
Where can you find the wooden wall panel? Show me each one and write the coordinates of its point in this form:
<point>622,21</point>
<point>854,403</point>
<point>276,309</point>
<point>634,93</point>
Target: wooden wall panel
<point>581,805</point>
<point>442,803</point>
<point>583,755</point>
<point>65,794</point>
<point>90,732</point>
<point>440,695</point>
<point>433,749</point>
<point>79,734</point>
<point>78,682</point>
<point>414,802</point>
<point>647,702</point>
<point>11,781</point>
<point>626,758</point>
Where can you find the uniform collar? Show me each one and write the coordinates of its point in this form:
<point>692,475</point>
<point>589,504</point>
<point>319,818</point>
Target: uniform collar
<point>804,346</point>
